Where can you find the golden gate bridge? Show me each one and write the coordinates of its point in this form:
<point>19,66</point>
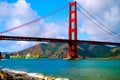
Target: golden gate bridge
<point>72,31</point>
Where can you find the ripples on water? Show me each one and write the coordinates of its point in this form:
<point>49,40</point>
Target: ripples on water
<point>75,70</point>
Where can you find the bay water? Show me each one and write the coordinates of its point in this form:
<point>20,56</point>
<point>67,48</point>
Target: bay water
<point>88,69</point>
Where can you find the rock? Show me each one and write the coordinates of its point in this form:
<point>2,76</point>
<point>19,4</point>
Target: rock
<point>20,75</point>
<point>5,76</point>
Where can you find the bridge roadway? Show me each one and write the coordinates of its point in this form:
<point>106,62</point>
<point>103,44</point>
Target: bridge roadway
<point>19,38</point>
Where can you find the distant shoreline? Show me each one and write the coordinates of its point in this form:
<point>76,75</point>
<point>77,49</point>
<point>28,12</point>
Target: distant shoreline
<point>104,58</point>
<point>65,59</point>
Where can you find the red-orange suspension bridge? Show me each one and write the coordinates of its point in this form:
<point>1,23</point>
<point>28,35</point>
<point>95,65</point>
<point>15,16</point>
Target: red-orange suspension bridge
<point>72,39</point>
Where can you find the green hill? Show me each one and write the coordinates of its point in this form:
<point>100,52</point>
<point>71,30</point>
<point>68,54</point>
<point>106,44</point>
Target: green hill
<point>114,53</point>
<point>60,50</point>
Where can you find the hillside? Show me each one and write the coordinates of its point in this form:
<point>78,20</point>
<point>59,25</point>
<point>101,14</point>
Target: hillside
<point>59,50</point>
<point>50,50</point>
<point>114,53</point>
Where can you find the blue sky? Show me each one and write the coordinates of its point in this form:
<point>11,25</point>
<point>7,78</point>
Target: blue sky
<point>16,12</point>
<point>45,6</point>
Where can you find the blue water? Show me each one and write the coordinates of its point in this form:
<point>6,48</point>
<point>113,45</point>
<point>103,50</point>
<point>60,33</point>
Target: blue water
<point>73,69</point>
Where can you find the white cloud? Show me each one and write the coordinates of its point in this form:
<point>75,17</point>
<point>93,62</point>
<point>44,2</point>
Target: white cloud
<point>107,12</point>
<point>15,14</point>
<point>21,45</point>
<point>112,16</point>
<point>53,30</point>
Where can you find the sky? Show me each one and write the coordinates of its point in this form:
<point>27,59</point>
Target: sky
<point>16,12</point>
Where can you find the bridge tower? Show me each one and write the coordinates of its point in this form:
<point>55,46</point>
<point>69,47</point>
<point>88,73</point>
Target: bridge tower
<point>72,31</point>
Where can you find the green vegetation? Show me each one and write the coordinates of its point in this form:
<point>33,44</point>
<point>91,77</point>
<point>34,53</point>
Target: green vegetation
<point>27,57</point>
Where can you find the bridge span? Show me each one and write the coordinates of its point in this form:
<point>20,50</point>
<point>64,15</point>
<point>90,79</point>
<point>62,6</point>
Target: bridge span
<point>19,38</point>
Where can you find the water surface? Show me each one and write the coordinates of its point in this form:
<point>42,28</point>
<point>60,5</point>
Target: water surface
<point>74,69</point>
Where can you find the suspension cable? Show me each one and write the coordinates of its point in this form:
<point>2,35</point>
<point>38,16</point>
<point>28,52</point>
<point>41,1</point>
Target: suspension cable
<point>35,20</point>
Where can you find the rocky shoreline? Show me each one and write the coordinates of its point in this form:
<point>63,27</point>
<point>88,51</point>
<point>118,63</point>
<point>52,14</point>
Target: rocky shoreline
<point>8,74</point>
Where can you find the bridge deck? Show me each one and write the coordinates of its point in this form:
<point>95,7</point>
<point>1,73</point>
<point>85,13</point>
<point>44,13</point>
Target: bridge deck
<point>19,38</point>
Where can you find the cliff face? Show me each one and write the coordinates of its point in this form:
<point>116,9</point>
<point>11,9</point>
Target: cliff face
<point>60,50</point>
